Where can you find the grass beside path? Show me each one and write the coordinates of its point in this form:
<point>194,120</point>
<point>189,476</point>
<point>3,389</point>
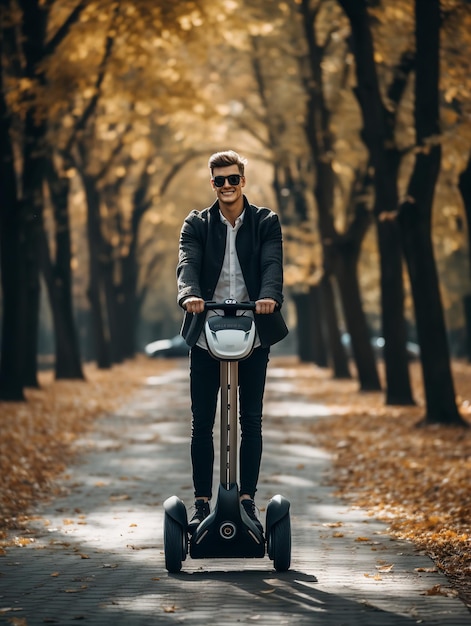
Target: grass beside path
<point>416,479</point>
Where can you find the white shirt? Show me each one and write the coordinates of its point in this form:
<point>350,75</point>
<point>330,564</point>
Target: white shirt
<point>231,282</point>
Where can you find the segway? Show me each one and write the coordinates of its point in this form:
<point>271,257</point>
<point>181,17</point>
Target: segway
<point>228,532</point>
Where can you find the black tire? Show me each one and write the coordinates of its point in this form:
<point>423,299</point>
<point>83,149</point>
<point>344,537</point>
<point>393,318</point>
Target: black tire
<point>280,544</point>
<point>175,545</point>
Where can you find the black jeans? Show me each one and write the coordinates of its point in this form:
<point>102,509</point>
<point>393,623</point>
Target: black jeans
<point>204,387</point>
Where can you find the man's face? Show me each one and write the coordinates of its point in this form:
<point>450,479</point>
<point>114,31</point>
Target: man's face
<point>228,193</point>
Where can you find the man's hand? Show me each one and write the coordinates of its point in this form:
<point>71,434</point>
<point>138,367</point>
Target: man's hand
<point>193,305</point>
<point>265,306</point>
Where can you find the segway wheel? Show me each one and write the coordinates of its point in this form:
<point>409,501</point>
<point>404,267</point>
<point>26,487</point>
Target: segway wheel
<point>175,545</point>
<point>279,544</point>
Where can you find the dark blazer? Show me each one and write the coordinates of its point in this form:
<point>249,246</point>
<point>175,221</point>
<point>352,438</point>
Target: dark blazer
<point>260,252</point>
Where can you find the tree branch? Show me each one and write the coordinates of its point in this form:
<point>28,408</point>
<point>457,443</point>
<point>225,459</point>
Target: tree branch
<point>91,106</point>
<point>63,31</point>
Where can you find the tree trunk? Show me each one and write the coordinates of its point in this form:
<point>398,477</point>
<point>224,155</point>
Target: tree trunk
<point>311,344</point>
<point>394,328</point>
<point>11,380</point>
<point>58,279</point>
<point>96,292</point>
<point>31,217</point>
<point>378,134</point>
<point>317,320</point>
<point>357,326</point>
<point>464,186</point>
<point>33,31</point>
<point>415,221</point>
<point>318,135</point>
<point>348,249</point>
<point>431,332</point>
<point>398,386</point>
<point>128,303</point>
<point>111,301</point>
<point>336,349</point>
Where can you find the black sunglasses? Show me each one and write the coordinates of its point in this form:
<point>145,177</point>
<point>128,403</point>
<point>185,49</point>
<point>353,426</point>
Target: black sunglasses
<point>234,179</point>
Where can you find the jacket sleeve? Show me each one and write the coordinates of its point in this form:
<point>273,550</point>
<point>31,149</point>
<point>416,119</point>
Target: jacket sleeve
<point>271,259</point>
<point>190,255</point>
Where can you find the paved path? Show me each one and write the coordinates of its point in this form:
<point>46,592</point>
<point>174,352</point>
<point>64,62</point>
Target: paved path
<point>97,554</point>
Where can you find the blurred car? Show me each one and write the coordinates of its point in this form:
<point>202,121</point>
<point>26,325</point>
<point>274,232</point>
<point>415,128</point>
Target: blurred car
<point>377,343</point>
<point>167,348</point>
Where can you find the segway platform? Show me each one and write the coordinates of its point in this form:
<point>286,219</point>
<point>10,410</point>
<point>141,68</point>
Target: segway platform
<point>227,532</point>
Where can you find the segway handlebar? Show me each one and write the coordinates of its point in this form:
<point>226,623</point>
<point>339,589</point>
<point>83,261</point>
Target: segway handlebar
<point>231,306</point>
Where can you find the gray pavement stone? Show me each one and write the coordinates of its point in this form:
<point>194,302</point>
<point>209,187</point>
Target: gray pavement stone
<point>96,552</point>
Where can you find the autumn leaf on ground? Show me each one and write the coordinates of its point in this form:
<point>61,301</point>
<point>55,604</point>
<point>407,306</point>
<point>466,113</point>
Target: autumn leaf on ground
<point>23,541</point>
<point>76,590</point>
<point>385,568</point>
<point>18,621</point>
<point>438,590</point>
<point>428,570</point>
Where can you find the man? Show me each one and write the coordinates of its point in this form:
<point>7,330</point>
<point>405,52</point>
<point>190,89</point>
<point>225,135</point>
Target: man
<point>230,250</point>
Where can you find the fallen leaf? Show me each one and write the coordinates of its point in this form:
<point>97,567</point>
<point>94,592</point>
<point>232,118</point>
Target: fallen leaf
<point>385,568</point>
<point>428,570</point>
<point>438,590</point>
<point>23,541</point>
<point>76,589</point>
